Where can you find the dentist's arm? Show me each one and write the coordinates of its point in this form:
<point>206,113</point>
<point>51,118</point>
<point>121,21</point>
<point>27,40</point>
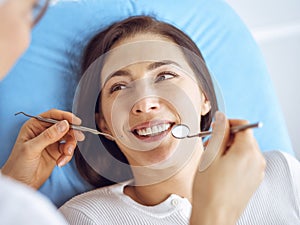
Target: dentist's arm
<point>38,148</point>
<point>222,191</point>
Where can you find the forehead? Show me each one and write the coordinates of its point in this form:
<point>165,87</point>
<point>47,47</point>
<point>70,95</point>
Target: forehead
<point>138,51</point>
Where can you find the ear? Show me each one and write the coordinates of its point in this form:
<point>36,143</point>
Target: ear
<point>206,106</point>
<point>103,125</point>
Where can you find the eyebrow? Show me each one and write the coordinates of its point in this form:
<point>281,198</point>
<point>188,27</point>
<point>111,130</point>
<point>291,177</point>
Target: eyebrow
<point>152,66</point>
<point>155,65</point>
<point>119,73</point>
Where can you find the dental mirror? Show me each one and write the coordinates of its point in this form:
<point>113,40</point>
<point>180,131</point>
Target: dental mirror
<point>181,131</point>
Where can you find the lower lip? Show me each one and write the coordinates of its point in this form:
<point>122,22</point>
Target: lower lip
<point>157,137</point>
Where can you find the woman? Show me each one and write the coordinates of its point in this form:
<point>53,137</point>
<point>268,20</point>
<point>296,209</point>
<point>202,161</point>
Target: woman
<point>37,149</point>
<point>152,77</point>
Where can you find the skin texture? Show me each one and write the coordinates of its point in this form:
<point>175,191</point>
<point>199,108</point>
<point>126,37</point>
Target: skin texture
<point>37,149</point>
<point>218,194</point>
<point>15,28</point>
<point>147,109</point>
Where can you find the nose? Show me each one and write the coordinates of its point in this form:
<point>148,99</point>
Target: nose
<point>146,105</point>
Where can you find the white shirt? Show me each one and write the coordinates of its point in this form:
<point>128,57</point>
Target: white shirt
<point>21,205</point>
<point>276,202</point>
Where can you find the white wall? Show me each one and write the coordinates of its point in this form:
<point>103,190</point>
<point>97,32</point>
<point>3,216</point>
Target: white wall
<point>276,27</point>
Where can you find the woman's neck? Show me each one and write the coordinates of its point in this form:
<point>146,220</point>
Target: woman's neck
<point>181,184</point>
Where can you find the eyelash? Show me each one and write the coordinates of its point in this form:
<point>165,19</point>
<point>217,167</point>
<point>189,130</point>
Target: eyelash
<point>120,85</point>
<point>165,73</point>
<point>116,87</point>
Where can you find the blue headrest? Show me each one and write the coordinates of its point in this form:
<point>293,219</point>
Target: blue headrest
<point>44,79</point>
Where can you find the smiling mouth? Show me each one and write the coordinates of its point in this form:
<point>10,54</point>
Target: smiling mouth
<point>151,131</point>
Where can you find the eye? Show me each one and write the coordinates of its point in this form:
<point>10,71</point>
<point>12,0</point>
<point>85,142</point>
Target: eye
<point>165,76</point>
<point>117,87</point>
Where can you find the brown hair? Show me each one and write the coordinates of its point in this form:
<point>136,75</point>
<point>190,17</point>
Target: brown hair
<point>103,41</point>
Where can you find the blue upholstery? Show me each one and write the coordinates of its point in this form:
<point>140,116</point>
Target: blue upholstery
<point>43,78</point>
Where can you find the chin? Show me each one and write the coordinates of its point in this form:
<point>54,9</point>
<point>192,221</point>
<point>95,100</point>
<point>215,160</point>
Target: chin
<point>157,156</point>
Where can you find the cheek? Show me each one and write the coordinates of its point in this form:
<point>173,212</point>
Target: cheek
<point>23,29</point>
<point>194,93</point>
<point>106,111</point>
<point>113,114</point>
<point>14,40</point>
<point>15,35</point>
<point>21,41</point>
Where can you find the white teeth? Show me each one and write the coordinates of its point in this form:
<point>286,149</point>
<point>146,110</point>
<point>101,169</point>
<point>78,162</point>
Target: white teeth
<point>155,129</point>
<point>160,128</point>
<point>142,132</point>
<point>151,131</point>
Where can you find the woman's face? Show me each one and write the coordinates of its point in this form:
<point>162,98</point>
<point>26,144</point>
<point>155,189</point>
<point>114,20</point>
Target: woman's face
<point>142,101</point>
<point>15,26</point>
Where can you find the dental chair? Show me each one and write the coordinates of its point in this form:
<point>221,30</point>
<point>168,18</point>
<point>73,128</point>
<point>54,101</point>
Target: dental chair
<point>44,78</point>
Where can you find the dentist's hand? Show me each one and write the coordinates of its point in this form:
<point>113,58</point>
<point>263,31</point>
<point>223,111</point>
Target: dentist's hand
<point>223,186</point>
<point>40,146</point>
